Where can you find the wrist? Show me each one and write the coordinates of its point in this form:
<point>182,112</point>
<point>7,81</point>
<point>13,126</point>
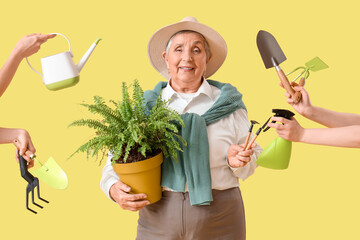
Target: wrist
<point>111,192</point>
<point>8,135</point>
<point>302,135</point>
<point>16,56</point>
<point>228,163</point>
<point>20,134</point>
<point>309,112</point>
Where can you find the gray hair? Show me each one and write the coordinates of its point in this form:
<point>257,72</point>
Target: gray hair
<point>207,48</point>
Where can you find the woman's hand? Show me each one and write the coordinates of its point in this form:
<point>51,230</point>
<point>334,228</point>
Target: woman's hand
<point>289,130</point>
<point>30,44</point>
<point>304,106</point>
<point>25,47</point>
<point>238,157</point>
<point>119,192</point>
<point>24,144</point>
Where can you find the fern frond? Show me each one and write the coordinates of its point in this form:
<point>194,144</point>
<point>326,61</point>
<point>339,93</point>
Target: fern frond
<point>91,123</point>
<point>127,127</point>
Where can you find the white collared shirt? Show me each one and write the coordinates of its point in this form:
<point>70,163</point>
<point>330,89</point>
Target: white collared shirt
<point>221,134</point>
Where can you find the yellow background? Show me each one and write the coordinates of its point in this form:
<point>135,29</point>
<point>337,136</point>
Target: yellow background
<point>316,198</point>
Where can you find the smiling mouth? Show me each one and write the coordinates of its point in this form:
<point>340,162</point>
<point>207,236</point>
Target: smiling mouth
<point>186,68</point>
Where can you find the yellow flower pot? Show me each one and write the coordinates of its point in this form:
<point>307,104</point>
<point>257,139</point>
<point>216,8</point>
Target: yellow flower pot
<point>143,176</point>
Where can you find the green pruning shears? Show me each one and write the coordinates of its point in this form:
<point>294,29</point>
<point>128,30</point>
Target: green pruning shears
<point>314,65</point>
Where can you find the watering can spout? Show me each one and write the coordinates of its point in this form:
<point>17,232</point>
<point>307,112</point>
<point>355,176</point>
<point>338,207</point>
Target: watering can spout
<point>86,56</point>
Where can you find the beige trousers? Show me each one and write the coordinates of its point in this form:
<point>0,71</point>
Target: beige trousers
<point>173,218</point>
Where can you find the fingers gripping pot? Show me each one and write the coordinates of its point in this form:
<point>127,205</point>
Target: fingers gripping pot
<point>59,70</point>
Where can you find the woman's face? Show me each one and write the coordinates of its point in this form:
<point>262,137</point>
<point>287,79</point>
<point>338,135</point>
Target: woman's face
<point>186,59</point>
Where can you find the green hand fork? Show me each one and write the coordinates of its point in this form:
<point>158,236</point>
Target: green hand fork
<point>315,64</point>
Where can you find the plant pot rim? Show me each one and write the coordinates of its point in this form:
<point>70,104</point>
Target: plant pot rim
<point>144,165</point>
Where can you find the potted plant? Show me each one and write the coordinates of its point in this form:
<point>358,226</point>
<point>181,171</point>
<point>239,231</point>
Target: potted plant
<point>137,138</point>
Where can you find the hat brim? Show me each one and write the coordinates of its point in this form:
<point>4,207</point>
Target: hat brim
<point>159,39</point>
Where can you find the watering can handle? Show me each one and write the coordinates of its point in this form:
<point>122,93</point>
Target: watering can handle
<point>69,51</point>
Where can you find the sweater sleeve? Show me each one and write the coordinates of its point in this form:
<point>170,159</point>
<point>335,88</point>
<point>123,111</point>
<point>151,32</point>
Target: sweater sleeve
<point>109,177</point>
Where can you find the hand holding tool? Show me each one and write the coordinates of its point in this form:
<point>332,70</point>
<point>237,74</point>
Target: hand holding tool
<point>50,172</point>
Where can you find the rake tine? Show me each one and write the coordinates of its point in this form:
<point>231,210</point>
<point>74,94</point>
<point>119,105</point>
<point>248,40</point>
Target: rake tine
<point>27,200</point>
<point>32,196</point>
<point>38,191</point>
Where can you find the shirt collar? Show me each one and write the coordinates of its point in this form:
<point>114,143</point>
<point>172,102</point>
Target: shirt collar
<point>205,88</point>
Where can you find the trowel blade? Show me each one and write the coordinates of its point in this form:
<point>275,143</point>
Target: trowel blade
<point>269,49</point>
<point>52,174</point>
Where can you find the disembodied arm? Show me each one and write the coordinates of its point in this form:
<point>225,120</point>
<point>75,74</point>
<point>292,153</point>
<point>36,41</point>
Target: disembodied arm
<point>9,135</point>
<point>25,47</point>
<point>345,136</point>
<point>320,115</point>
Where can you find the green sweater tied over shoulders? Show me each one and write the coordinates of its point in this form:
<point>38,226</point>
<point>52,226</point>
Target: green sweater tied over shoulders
<point>193,165</point>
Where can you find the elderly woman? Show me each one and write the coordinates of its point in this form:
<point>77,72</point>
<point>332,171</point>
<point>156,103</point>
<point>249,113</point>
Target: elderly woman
<point>201,195</point>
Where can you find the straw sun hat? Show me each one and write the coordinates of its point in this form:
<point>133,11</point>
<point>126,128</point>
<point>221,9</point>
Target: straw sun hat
<point>159,40</point>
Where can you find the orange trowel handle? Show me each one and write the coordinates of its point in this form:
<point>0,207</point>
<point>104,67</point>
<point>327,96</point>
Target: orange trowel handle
<point>251,143</point>
<point>298,95</point>
<point>285,82</point>
<point>247,140</point>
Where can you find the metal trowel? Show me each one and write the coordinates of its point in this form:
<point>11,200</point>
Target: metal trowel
<point>50,172</point>
<point>272,56</point>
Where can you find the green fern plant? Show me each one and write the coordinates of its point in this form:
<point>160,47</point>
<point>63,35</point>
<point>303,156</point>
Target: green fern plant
<point>126,128</point>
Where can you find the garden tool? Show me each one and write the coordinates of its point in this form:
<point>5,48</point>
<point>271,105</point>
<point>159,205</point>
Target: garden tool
<point>33,182</point>
<point>253,122</point>
<point>277,154</point>
<point>256,135</point>
<point>50,172</point>
<point>272,56</point>
<point>315,64</point>
<point>59,70</point>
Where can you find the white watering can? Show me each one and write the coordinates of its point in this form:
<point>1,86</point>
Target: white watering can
<point>59,70</point>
